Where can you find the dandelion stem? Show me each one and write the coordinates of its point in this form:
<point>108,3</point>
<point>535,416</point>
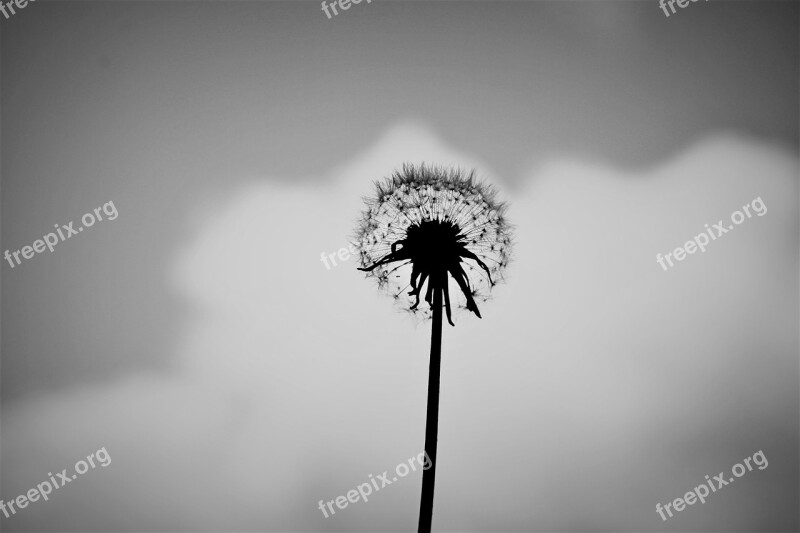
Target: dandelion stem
<point>432,418</point>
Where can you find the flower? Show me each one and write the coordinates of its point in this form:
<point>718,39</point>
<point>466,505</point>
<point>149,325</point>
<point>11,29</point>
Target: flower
<point>434,229</point>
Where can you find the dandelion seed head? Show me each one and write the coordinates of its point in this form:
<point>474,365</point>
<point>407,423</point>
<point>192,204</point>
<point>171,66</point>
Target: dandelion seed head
<point>427,199</point>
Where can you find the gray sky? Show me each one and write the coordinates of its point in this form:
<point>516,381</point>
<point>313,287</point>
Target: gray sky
<point>235,381</point>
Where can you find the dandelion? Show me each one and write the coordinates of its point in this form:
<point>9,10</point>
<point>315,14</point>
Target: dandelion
<point>439,233</point>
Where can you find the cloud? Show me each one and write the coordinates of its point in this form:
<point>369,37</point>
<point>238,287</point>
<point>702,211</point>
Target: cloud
<point>595,386</point>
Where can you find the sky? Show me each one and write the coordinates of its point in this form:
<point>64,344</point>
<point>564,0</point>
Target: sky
<point>235,381</point>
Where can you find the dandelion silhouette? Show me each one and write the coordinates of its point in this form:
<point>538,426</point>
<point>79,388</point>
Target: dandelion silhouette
<point>439,232</point>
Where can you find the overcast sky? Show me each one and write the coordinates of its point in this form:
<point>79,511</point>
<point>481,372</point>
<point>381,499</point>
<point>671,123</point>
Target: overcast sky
<point>235,381</point>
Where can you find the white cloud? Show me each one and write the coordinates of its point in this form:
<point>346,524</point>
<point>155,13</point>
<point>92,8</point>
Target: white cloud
<point>293,383</point>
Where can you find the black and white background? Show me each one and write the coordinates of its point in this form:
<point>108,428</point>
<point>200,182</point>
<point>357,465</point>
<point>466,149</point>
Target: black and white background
<point>235,381</point>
